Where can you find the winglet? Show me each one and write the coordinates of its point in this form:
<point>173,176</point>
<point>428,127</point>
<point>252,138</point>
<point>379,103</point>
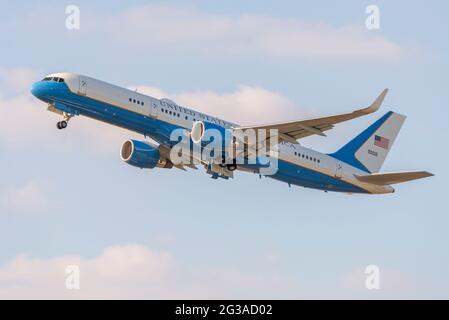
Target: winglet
<point>376,104</point>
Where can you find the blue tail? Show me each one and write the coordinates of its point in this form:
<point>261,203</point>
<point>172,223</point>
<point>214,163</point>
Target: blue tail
<point>368,150</point>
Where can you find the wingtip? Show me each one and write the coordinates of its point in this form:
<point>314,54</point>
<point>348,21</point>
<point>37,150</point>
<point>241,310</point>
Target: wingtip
<point>380,99</point>
<point>377,103</point>
<point>424,174</point>
<point>429,174</point>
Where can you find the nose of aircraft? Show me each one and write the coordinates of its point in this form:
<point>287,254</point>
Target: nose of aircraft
<point>38,89</point>
<point>43,90</point>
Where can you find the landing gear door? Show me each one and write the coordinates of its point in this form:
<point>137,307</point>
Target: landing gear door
<point>338,171</point>
<point>82,86</point>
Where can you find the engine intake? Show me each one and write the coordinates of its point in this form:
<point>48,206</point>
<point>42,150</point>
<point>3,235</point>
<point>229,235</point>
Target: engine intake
<point>204,132</point>
<point>140,154</point>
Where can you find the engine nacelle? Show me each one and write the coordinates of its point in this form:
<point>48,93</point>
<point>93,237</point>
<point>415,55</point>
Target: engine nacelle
<point>140,154</point>
<point>206,132</point>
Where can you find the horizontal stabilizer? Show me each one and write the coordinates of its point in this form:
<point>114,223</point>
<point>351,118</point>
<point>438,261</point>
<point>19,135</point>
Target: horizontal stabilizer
<point>383,179</point>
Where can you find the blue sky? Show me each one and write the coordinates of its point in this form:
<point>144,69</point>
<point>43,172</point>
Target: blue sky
<point>66,198</point>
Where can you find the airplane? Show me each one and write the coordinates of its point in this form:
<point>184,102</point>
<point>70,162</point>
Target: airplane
<point>353,169</point>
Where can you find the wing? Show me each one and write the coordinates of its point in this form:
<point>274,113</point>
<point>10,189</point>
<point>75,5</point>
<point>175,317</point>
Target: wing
<point>294,130</point>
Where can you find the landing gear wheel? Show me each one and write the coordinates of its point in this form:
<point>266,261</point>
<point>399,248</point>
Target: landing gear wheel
<point>232,167</point>
<point>61,125</point>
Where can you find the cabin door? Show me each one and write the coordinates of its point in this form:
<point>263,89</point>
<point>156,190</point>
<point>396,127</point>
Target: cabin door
<point>338,171</point>
<point>82,85</point>
<point>153,110</point>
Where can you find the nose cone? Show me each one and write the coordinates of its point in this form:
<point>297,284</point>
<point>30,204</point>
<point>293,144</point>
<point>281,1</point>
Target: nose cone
<point>39,89</point>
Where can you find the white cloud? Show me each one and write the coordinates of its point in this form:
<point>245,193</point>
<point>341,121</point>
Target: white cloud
<point>16,79</point>
<point>184,29</point>
<point>22,117</point>
<point>29,197</point>
<point>134,271</point>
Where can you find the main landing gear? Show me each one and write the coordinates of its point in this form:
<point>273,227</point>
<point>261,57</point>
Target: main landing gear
<point>231,167</point>
<point>63,124</point>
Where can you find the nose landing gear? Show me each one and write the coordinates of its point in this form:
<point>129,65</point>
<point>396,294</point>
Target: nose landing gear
<point>63,124</point>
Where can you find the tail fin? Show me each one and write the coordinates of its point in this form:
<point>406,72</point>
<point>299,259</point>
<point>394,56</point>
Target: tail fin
<point>369,149</point>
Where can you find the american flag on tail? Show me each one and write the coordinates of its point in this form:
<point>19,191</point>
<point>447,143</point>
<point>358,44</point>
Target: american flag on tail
<point>381,142</point>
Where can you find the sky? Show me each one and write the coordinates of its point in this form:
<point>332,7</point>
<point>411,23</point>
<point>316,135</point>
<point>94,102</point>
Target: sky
<point>67,199</point>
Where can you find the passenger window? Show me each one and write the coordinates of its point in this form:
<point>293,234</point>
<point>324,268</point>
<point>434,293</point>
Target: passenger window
<point>134,100</point>
<point>141,103</point>
<point>186,117</point>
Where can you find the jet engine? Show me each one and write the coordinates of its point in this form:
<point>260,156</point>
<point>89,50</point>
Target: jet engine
<point>217,142</point>
<point>143,155</point>
<point>207,133</point>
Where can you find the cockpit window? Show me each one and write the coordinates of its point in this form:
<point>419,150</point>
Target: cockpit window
<point>56,79</point>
